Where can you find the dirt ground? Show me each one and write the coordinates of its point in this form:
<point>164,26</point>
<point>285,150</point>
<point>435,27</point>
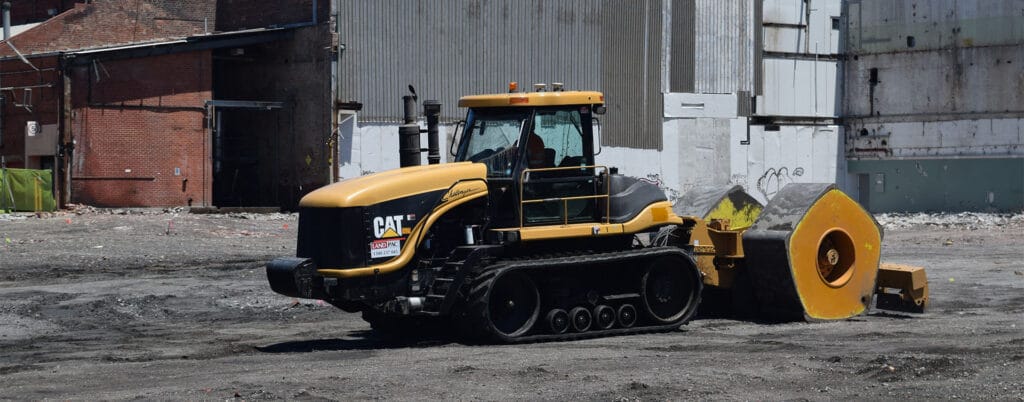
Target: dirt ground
<point>170,305</point>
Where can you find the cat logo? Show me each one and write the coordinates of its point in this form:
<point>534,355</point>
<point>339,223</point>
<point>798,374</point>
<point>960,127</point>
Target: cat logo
<point>387,226</point>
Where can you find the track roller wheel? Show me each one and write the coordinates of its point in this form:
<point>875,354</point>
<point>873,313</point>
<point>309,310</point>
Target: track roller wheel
<point>670,289</point>
<point>581,319</point>
<point>626,315</point>
<point>513,304</point>
<point>604,317</point>
<point>558,321</point>
<point>812,255</point>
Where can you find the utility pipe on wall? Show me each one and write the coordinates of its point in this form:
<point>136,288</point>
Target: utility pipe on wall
<point>7,20</point>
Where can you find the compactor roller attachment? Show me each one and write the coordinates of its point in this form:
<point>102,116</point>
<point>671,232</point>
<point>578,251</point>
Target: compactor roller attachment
<point>729,203</point>
<point>812,254</point>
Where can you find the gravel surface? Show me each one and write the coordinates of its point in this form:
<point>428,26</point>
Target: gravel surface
<point>163,304</point>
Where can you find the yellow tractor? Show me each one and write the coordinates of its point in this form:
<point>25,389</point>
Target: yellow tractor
<point>526,237</point>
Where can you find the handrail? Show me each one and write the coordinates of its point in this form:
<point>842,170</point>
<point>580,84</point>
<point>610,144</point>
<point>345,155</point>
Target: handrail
<point>524,179</point>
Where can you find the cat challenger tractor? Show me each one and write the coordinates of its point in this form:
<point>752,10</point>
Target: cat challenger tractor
<point>526,237</point>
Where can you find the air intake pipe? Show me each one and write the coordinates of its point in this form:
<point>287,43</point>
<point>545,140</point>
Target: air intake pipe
<point>409,133</point>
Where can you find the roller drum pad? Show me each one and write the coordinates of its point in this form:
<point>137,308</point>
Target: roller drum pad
<point>812,255</point>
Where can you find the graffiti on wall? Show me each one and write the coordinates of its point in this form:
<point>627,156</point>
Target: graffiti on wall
<point>773,180</point>
<point>655,179</point>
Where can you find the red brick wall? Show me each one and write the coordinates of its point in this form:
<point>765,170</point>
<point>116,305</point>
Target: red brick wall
<point>28,11</point>
<point>134,125</point>
<point>247,14</point>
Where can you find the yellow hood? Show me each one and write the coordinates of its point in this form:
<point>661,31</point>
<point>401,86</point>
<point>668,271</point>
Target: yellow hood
<point>392,184</point>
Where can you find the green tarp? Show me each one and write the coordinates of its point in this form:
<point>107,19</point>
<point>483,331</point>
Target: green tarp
<point>26,190</point>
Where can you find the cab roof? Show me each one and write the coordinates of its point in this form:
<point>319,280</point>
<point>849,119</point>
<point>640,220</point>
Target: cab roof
<point>527,99</point>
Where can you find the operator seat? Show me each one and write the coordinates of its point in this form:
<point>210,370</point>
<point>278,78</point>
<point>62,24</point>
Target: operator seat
<point>537,155</point>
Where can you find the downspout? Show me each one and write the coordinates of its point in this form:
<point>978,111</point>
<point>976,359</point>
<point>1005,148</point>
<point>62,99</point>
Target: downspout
<point>67,141</point>
<point>335,93</point>
<point>335,134</point>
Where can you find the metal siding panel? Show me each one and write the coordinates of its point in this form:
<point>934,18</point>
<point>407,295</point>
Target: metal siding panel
<point>683,42</point>
<point>784,11</point>
<point>450,48</point>
<point>654,98</point>
<point>758,48</point>
<point>724,49</point>
<point>630,69</point>
<point>804,30</point>
<point>457,47</point>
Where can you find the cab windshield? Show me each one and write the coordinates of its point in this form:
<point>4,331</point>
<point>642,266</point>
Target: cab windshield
<point>554,137</point>
<point>491,138</point>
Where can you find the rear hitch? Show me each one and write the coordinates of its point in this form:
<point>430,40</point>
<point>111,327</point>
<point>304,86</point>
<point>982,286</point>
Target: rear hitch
<point>901,288</point>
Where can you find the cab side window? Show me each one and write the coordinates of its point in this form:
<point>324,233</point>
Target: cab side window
<point>562,138</point>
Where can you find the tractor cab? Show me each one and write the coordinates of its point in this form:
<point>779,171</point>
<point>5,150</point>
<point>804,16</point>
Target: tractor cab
<point>538,148</point>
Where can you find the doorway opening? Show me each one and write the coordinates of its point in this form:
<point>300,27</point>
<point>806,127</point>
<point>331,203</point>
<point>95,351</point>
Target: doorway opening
<point>246,152</point>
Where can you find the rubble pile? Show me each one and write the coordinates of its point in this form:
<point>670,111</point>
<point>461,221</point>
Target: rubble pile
<point>962,220</point>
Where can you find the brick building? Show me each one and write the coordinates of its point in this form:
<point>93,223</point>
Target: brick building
<point>30,11</point>
<point>171,102</point>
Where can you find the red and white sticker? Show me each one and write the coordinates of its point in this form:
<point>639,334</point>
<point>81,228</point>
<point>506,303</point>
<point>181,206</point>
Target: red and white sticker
<point>385,248</point>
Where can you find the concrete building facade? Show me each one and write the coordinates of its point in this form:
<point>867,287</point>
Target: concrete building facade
<point>689,102</point>
<point>934,104</point>
<point>700,92</point>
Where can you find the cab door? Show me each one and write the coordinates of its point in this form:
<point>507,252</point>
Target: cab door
<point>559,182</point>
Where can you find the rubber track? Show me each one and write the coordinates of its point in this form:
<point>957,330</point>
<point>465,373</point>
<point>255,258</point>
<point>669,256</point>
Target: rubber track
<point>477,301</point>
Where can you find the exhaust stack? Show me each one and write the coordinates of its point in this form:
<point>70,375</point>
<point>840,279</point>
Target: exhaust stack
<point>432,109</point>
<point>409,133</point>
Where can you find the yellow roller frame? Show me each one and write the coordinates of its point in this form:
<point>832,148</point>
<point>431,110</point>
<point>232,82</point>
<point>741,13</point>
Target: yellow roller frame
<point>834,252</point>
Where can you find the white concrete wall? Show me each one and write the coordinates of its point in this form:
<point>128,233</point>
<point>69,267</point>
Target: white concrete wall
<point>883,26</point>
<point>800,72</point>
<point>818,37</point>
<point>373,147</point>
<point>805,88</point>
<point>695,152</point>
<point>927,85</point>
<point>793,154</point>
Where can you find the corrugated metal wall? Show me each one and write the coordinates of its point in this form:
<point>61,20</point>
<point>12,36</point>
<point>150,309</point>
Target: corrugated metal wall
<point>712,46</point>
<point>683,42</point>
<point>631,73</point>
<point>723,46</point>
<point>450,48</point>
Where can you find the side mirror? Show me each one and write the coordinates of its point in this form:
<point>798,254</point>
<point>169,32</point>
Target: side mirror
<point>597,135</point>
<point>455,137</point>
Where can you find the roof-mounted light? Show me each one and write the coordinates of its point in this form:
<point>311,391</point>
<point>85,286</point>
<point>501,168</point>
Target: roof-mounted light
<point>513,86</point>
